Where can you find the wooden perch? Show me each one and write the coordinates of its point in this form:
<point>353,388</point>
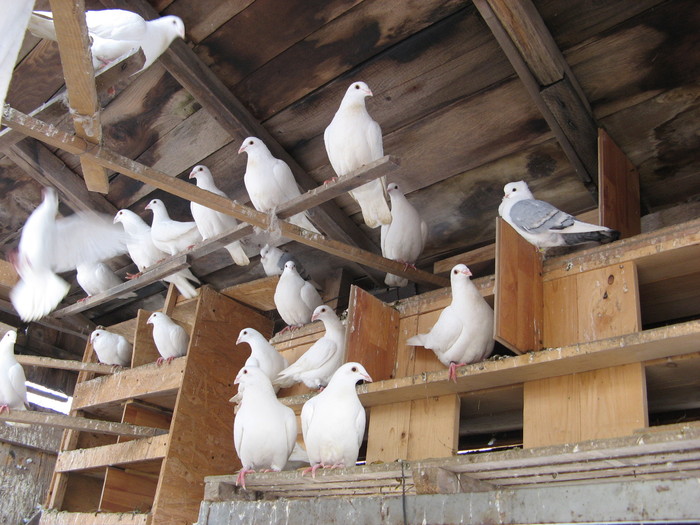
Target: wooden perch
<point>80,423</point>
<point>74,46</point>
<point>63,364</point>
<point>153,274</point>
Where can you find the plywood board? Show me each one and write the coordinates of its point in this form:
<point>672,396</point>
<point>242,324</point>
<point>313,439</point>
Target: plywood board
<point>145,350</point>
<point>258,293</point>
<point>518,293</point>
<point>371,336</point>
<point>434,427</point>
<point>127,491</point>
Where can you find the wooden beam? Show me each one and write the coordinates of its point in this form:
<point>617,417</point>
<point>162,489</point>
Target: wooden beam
<point>74,46</point>
<point>535,57</point>
<point>180,188</point>
<point>60,517</point>
<point>153,274</point>
<point>81,424</point>
<point>40,163</point>
<point>117,454</point>
<point>63,364</point>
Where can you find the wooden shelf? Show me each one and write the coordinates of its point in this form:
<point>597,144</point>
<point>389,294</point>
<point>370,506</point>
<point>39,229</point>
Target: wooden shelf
<point>138,450</point>
<point>660,453</point>
<point>52,517</point>
<point>673,340</point>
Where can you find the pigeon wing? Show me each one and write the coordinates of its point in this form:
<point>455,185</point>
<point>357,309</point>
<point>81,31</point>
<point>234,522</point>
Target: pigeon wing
<point>535,216</point>
<point>17,381</point>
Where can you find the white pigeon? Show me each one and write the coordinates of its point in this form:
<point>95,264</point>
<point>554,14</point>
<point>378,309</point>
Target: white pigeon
<point>262,353</point>
<point>211,222</point>
<point>97,277</point>
<point>270,182</point>
<point>402,240</point>
<point>13,390</point>
<point>49,245</point>
<point>145,254</point>
<point>111,348</point>
<point>295,298</point>
<point>117,32</point>
<point>463,333</point>
<point>168,235</point>
<point>354,139</point>
<point>264,430</point>
<point>333,422</point>
<point>543,225</point>
<point>316,366</point>
<point>170,338</point>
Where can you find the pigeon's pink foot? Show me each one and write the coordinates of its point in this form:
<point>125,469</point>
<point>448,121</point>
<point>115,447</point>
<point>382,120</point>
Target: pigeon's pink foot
<point>159,361</point>
<point>131,276</point>
<point>285,329</point>
<point>328,181</point>
<point>320,389</point>
<point>190,246</point>
<point>4,408</point>
<point>337,465</point>
<point>170,359</point>
<point>453,370</point>
<point>407,265</point>
<point>312,470</point>
<point>240,479</point>
<point>111,91</point>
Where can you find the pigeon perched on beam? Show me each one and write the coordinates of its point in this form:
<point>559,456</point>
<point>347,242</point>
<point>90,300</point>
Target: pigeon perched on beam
<point>115,33</point>
<point>211,222</point>
<point>145,254</point>
<point>352,140</point>
<point>97,277</point>
<point>463,333</point>
<point>333,422</point>
<point>13,390</point>
<point>169,235</point>
<point>111,349</point>
<point>544,225</point>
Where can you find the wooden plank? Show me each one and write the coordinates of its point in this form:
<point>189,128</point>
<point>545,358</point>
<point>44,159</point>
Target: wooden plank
<point>145,350</point>
<point>63,364</point>
<point>666,341</point>
<point>470,258</point>
<point>618,188</point>
<point>202,407</point>
<point>55,517</point>
<point>388,432</point>
<point>518,292</point>
<point>144,449</point>
<point>434,430</point>
<point>127,491</point>
<point>143,382</point>
<point>151,275</point>
<point>585,166</point>
<point>76,59</point>
<point>258,293</point>
<point>372,334</point>
<point>77,423</point>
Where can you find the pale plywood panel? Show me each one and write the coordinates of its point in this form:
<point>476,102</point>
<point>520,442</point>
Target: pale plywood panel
<point>560,317</point>
<point>388,432</point>
<point>258,294</point>
<point>405,355</point>
<point>127,491</point>
<point>434,430</point>
<point>145,350</point>
<point>550,412</point>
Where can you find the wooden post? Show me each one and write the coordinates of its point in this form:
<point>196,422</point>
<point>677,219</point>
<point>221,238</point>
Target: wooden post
<point>518,305</point>
<point>609,402</point>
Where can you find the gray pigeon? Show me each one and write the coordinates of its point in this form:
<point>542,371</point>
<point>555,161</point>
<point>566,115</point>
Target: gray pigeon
<point>543,225</point>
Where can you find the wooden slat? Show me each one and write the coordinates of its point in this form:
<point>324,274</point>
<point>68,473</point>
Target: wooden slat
<point>518,292</point>
<point>672,340</point>
<point>78,423</point>
<point>127,491</point>
<point>63,364</point>
<point>619,188</point>
<point>53,517</point>
<point>144,449</point>
<point>258,293</point>
<point>151,275</point>
<point>74,45</point>
<point>142,382</point>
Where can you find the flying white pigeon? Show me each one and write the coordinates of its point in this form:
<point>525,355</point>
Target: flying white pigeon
<point>262,353</point>
<point>333,422</point>
<point>145,254</point>
<point>111,348</point>
<point>402,240</point>
<point>97,277</point>
<point>316,366</point>
<point>264,430</point>
<point>354,139</point>
<point>295,298</point>
<point>115,33</point>
<point>543,225</point>
<point>171,236</point>
<point>463,333</point>
<point>49,245</point>
<point>270,181</point>
<point>170,338</point>
<point>13,390</point>
<point>210,222</point>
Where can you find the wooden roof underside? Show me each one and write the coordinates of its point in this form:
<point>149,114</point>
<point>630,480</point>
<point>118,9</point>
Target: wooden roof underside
<point>469,97</point>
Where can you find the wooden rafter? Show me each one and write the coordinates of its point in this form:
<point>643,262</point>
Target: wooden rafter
<point>74,46</point>
<point>533,53</point>
<point>135,170</point>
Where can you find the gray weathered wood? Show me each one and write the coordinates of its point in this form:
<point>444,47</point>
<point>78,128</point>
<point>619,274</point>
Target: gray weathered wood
<point>79,423</point>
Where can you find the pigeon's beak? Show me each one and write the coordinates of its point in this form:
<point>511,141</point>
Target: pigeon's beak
<point>367,378</point>
<point>369,92</point>
<point>241,149</point>
<point>238,341</point>
<point>148,206</point>
<point>314,317</point>
<point>232,400</point>
<point>192,175</point>
<point>467,272</point>
<point>116,219</point>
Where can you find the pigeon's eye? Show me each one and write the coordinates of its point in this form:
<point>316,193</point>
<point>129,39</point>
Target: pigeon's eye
<point>515,189</point>
<point>354,369</point>
<point>97,335</point>
<point>455,272</point>
<point>357,86</point>
<point>245,371</point>
<point>251,142</point>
